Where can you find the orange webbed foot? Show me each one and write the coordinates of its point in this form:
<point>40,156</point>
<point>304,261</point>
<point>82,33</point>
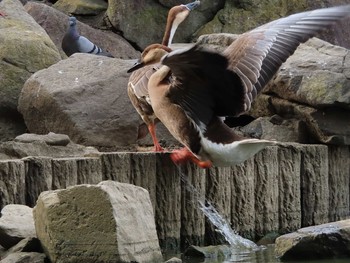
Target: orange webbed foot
<point>184,155</point>
<point>180,156</point>
<point>158,148</point>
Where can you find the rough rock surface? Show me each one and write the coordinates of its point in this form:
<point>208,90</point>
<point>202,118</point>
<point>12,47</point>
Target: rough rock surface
<point>108,222</point>
<point>56,23</point>
<point>25,48</point>
<point>50,139</point>
<point>49,145</point>
<point>25,257</point>
<point>16,223</point>
<point>29,244</point>
<point>317,74</point>
<point>84,97</point>
<point>81,7</point>
<point>241,16</point>
<point>329,240</point>
<point>12,182</point>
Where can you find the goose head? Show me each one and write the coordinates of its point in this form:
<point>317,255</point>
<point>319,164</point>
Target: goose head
<point>180,12</point>
<point>176,16</point>
<point>151,55</point>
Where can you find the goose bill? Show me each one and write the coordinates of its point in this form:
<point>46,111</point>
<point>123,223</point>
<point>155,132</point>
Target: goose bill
<point>136,66</point>
<point>193,5</point>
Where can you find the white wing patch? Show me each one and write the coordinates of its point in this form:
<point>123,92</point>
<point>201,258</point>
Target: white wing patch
<point>233,153</point>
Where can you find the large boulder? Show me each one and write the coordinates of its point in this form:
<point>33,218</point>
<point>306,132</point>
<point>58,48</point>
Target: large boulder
<point>313,86</point>
<point>143,22</point>
<point>25,48</point>
<point>108,222</point>
<point>56,23</point>
<point>241,16</point>
<point>329,240</point>
<point>84,97</point>
<point>317,74</point>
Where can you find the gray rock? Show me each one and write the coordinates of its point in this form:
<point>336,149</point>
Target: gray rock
<point>84,97</point>
<point>25,257</point>
<point>56,23</point>
<point>29,244</point>
<point>16,223</point>
<point>50,139</point>
<point>329,240</point>
<point>327,125</point>
<point>108,222</point>
<point>18,150</point>
<point>314,76</point>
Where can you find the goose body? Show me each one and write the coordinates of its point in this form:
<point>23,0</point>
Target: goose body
<point>138,81</point>
<point>196,87</point>
<point>73,42</point>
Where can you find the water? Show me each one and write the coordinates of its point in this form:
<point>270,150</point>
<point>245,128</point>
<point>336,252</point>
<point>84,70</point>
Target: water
<point>262,255</point>
<point>217,220</point>
<point>242,250</point>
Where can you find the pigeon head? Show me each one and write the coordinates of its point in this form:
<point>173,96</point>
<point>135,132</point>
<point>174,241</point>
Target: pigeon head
<point>72,21</point>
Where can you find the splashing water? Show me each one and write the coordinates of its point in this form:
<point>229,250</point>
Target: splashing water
<point>221,224</point>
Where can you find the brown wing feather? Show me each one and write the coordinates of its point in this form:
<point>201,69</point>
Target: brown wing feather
<point>257,55</point>
<point>138,80</point>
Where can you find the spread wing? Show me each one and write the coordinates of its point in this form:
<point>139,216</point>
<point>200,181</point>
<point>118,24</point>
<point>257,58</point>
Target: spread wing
<point>206,83</point>
<point>202,84</point>
<point>257,55</point>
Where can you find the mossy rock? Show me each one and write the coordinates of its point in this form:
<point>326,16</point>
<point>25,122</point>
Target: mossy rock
<point>25,49</point>
<point>81,7</point>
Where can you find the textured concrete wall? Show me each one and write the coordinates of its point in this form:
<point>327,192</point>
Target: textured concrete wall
<point>281,189</point>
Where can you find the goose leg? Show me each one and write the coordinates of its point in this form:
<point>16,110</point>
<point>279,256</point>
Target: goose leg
<point>152,131</point>
<point>184,155</point>
<point>2,14</point>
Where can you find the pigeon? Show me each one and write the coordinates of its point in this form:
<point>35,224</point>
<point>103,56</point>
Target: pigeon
<point>72,42</point>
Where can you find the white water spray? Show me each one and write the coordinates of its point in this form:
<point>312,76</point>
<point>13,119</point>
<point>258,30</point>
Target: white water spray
<point>221,224</point>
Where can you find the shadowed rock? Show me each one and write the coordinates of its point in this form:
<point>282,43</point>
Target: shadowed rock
<point>329,240</point>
